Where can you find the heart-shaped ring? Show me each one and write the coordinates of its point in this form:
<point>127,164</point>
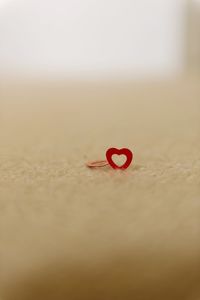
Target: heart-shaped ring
<point>124,151</point>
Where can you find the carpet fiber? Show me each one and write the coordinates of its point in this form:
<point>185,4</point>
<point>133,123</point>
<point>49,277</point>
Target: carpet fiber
<point>69,232</point>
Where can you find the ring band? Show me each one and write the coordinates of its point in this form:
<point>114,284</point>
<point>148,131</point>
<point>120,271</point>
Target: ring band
<point>97,164</point>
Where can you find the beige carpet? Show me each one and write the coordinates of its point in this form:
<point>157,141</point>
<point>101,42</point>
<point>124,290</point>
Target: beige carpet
<point>71,233</point>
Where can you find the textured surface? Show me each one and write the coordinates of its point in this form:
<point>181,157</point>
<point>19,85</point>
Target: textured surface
<point>68,232</point>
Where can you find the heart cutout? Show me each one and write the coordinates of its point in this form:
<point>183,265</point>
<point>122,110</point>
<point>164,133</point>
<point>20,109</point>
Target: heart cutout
<point>124,151</point>
<point>119,160</point>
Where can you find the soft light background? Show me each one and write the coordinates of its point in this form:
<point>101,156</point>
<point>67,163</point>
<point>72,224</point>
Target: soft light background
<point>87,38</point>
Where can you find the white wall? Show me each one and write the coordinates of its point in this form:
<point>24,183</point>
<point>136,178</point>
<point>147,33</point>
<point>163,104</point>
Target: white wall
<point>137,37</point>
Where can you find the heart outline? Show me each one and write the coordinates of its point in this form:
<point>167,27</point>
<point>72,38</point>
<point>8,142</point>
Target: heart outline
<point>123,151</point>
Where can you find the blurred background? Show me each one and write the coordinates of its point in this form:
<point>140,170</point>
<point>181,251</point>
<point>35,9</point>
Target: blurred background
<point>104,38</point>
<point>67,232</point>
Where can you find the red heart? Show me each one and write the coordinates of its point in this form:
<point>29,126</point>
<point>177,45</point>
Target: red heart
<point>124,151</point>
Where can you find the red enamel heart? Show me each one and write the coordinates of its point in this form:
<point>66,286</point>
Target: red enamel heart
<point>124,151</point>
